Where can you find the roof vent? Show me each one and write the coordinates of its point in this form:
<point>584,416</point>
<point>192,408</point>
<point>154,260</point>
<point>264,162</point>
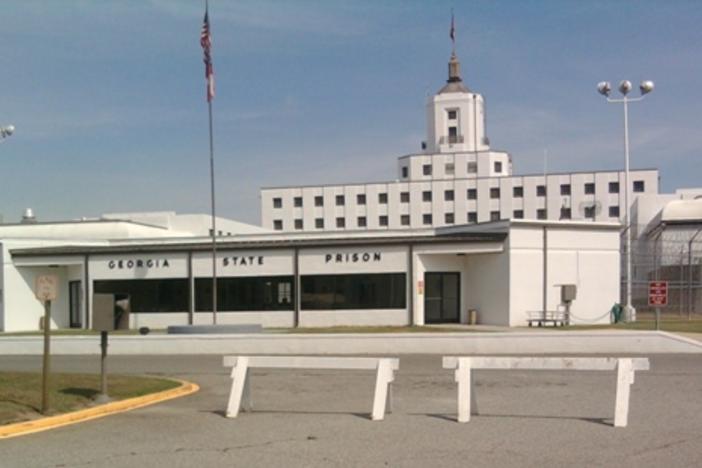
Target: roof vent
<point>28,217</point>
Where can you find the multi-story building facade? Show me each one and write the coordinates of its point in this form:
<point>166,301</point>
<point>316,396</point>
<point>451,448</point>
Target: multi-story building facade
<point>457,179</point>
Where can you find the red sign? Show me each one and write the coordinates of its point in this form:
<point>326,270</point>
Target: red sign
<point>658,293</point>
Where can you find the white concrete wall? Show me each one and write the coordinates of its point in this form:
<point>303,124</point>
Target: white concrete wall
<point>24,310</point>
<point>589,259</point>
<point>368,317</point>
<point>489,288</point>
<point>281,319</point>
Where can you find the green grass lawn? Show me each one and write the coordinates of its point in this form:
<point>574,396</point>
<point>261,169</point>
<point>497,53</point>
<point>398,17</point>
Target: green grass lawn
<point>413,329</point>
<point>20,392</point>
<point>78,332</point>
<point>645,323</point>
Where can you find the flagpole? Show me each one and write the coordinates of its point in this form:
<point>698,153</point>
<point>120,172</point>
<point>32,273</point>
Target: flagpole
<point>214,223</point>
<point>205,42</point>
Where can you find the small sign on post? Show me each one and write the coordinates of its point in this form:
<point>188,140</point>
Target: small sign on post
<point>46,287</point>
<point>658,297</point>
<point>46,290</point>
<point>658,293</point>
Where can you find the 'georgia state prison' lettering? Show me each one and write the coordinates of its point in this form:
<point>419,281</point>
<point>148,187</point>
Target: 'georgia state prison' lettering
<point>138,263</point>
<point>352,257</point>
<point>243,261</point>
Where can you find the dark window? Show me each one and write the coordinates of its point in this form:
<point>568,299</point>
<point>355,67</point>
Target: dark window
<point>426,196</point>
<point>426,169</point>
<point>450,169</point>
<point>361,199</point>
<point>518,214</point>
<point>405,172</point>
<point>448,195</point>
<point>247,293</point>
<point>614,187</point>
<point>494,192</point>
<point>498,167</point>
<point>472,217</point>
<point>472,194</point>
<point>639,186</point>
<point>152,295</point>
<point>540,190</point>
<point>565,213</point>
<point>405,220</point>
<point>278,224</point>
<point>494,216</point>
<point>343,292</point>
<point>277,203</point>
<point>319,223</point>
<point>565,189</point>
<point>318,200</point>
<point>383,198</point>
<point>453,135</point>
<point>590,212</point>
<point>613,211</point>
<point>340,200</point>
<point>298,202</point>
<point>452,115</point>
<point>404,197</point>
<point>472,167</point>
<point>340,223</point>
<point>361,221</point>
<point>518,192</point>
<point>426,219</point>
<point>589,188</point>
<point>448,218</point>
<point>541,213</point>
<point>298,224</point>
<point>383,220</point>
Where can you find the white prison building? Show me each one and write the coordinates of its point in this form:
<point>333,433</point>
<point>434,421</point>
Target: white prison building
<point>457,179</point>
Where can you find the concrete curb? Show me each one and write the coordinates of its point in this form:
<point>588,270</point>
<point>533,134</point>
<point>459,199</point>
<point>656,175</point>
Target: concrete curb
<point>52,422</point>
<point>612,342</point>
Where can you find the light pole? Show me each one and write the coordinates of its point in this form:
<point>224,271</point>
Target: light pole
<point>6,131</point>
<point>604,88</point>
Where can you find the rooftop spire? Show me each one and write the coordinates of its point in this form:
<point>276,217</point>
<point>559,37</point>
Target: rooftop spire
<point>454,69</point>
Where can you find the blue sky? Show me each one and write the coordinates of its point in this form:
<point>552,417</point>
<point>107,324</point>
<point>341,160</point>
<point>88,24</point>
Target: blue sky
<point>108,96</point>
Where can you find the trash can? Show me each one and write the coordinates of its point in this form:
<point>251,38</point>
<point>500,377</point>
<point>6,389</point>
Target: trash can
<point>473,316</point>
<point>616,312</point>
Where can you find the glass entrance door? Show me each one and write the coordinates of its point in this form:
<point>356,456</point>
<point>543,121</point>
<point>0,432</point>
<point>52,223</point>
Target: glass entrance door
<point>442,297</point>
<point>74,299</point>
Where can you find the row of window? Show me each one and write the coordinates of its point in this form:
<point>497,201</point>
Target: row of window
<point>471,194</point>
<point>449,218</point>
<point>319,292</point>
<point>450,169</point>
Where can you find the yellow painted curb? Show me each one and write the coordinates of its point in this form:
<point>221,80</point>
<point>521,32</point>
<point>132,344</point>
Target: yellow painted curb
<point>43,424</point>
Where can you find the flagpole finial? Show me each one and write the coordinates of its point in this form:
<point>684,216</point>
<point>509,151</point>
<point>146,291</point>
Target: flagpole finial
<point>452,34</point>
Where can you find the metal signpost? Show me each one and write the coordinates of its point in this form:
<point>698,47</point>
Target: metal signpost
<point>658,297</point>
<point>46,290</point>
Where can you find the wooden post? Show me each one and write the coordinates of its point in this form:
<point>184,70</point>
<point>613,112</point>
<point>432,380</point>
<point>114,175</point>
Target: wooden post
<point>46,364</point>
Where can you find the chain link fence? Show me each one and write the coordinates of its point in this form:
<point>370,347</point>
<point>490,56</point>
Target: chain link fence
<point>672,254</point>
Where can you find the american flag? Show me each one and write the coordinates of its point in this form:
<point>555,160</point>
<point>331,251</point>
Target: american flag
<point>452,32</point>
<point>206,43</point>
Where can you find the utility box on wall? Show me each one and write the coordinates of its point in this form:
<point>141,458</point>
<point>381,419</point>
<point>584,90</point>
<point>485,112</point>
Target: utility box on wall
<point>568,293</point>
<point>110,312</point>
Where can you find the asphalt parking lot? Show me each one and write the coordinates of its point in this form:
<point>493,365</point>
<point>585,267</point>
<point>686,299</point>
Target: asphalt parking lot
<point>320,418</point>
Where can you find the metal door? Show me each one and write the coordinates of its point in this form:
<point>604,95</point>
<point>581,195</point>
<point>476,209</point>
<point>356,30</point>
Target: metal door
<point>442,297</point>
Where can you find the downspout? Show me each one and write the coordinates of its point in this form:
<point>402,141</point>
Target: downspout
<point>296,288</point>
<point>86,289</point>
<point>545,271</point>
<point>191,290</point>
<point>410,268</point>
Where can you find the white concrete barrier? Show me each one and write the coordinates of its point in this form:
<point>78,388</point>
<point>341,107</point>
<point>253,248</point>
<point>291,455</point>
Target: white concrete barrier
<point>240,395</point>
<point>467,404</point>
